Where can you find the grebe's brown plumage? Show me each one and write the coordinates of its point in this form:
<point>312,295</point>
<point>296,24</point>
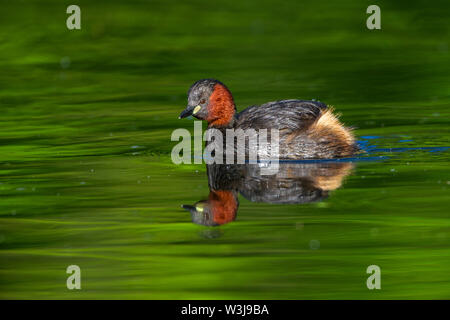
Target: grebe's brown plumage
<point>307,129</point>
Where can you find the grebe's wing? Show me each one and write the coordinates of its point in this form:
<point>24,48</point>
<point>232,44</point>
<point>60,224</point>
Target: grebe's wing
<point>287,115</point>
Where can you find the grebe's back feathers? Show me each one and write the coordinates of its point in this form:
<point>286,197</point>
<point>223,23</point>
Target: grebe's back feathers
<point>289,115</point>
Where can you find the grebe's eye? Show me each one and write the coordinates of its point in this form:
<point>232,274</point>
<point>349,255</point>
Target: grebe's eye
<point>202,101</point>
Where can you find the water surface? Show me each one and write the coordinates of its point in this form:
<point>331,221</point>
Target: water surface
<point>85,170</point>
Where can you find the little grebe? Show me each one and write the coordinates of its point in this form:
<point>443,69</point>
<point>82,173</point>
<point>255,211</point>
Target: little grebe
<point>307,129</point>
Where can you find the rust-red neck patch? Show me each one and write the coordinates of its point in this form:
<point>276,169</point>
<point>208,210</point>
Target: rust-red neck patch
<point>224,206</point>
<point>221,107</point>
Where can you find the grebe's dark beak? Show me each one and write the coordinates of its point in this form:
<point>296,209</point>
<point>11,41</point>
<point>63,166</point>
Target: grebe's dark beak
<point>188,207</point>
<point>186,112</point>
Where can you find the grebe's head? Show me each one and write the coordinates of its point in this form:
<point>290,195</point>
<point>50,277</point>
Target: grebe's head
<point>220,208</point>
<point>210,100</point>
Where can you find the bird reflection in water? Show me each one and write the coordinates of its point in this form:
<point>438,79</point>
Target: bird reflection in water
<point>294,183</point>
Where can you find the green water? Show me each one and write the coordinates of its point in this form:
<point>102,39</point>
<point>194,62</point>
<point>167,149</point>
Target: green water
<point>85,170</point>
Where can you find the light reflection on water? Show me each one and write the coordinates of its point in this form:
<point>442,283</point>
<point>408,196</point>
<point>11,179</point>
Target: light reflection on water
<point>294,183</point>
